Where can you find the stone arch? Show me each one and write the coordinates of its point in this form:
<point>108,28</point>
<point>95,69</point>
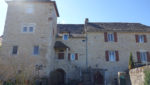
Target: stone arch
<point>98,78</point>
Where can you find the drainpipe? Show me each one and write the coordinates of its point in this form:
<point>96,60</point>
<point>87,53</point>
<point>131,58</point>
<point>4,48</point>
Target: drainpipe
<point>85,28</point>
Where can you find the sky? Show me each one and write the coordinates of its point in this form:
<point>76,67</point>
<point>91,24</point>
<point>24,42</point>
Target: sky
<point>75,11</point>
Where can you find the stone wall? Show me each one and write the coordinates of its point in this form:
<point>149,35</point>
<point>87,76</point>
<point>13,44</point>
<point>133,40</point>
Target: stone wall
<point>137,75</point>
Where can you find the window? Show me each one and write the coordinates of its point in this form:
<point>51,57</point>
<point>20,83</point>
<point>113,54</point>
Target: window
<point>141,38</point>
<point>15,50</point>
<point>36,50</point>
<point>112,56</point>
<point>24,29</point>
<point>110,37</point>
<point>65,37</point>
<point>143,56</point>
<point>30,29</point>
<point>29,9</point>
<point>72,56</point>
<point>61,54</point>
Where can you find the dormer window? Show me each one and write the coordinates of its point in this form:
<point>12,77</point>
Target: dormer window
<point>65,36</point>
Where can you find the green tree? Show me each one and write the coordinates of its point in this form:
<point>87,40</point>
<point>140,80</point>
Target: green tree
<point>147,77</point>
<point>131,62</point>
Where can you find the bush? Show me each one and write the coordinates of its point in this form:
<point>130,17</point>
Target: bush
<point>147,77</point>
<point>131,62</point>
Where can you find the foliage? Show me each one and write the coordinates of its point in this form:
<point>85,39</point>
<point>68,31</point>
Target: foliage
<point>147,77</point>
<point>131,62</point>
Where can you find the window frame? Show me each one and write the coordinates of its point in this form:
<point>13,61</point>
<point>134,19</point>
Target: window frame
<point>29,9</point>
<point>141,38</point>
<point>143,56</point>
<point>112,58</point>
<point>38,51</point>
<point>14,52</point>
<point>110,37</point>
<point>65,35</point>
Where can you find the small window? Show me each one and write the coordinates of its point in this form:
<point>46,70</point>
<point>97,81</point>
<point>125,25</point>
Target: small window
<point>29,9</point>
<point>31,29</point>
<point>141,38</point>
<point>15,50</point>
<point>24,29</point>
<point>65,37</point>
<point>110,37</point>
<point>72,56</point>
<point>143,56</point>
<point>112,56</point>
<point>36,50</point>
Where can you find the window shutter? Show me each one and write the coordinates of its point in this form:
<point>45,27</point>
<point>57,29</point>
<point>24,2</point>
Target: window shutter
<point>76,56</point>
<point>68,56</point>
<point>117,55</point>
<point>106,55</point>
<point>115,36</point>
<point>136,38</point>
<point>138,57</point>
<point>105,36</point>
<point>148,57</point>
<point>145,38</point>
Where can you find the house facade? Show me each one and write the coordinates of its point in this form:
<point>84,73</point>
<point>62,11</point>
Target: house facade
<point>32,38</point>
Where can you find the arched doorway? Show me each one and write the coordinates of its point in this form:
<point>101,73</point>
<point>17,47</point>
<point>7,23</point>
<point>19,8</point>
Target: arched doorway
<point>62,76</point>
<point>98,78</point>
<point>57,77</point>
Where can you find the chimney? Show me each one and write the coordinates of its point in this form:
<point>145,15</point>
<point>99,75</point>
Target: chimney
<point>86,20</point>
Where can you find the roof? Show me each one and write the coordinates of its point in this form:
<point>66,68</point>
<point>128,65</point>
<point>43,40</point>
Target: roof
<point>59,44</point>
<point>71,28</point>
<point>55,6</point>
<point>95,27</point>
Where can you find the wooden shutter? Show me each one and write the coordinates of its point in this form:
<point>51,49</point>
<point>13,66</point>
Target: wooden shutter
<point>68,56</point>
<point>117,55</point>
<point>76,56</point>
<point>145,38</point>
<point>106,55</point>
<point>136,38</point>
<point>105,36</point>
<point>148,57</point>
<point>115,36</point>
<point>138,57</point>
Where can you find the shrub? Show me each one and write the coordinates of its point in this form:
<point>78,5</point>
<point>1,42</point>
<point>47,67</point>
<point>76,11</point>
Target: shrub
<point>131,62</point>
<point>147,77</point>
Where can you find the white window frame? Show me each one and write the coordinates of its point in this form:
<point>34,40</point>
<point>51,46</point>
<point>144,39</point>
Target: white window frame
<point>141,38</point>
<point>110,37</point>
<point>143,56</point>
<point>64,37</point>
<point>28,28</point>
<point>73,56</point>
<point>112,56</point>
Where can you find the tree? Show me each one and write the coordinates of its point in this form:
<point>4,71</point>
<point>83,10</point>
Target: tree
<point>131,62</point>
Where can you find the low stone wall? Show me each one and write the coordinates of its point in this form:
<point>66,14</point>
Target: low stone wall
<point>137,75</point>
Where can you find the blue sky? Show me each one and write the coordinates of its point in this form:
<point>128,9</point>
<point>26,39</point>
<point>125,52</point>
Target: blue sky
<point>75,11</point>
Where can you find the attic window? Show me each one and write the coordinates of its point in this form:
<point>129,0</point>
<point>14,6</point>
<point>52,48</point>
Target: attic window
<point>65,36</point>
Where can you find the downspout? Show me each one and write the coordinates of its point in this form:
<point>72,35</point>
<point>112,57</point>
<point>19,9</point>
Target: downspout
<point>86,36</point>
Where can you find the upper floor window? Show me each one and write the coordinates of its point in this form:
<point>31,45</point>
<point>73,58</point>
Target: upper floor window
<point>61,54</point>
<point>110,37</point>
<point>15,50</point>
<point>36,50</point>
<point>112,56</point>
<point>65,36</point>
<point>73,56</point>
<point>28,28</point>
<point>29,9</point>
<point>141,38</point>
<point>143,56</point>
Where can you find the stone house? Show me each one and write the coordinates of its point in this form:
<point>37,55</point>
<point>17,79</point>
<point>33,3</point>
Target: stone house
<point>33,37</point>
